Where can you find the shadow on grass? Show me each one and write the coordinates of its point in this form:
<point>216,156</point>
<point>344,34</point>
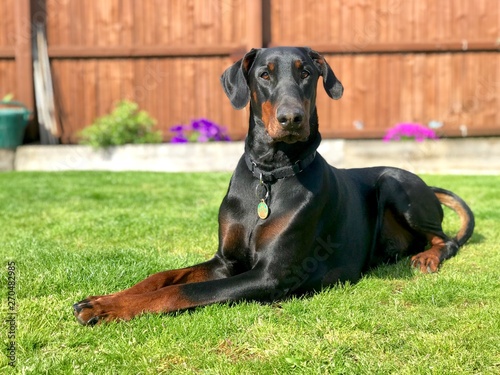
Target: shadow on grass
<point>399,270</point>
<point>476,238</point>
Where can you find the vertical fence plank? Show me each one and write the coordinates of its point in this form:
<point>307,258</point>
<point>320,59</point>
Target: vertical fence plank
<point>24,75</point>
<point>395,81</point>
<point>382,93</point>
<point>429,101</point>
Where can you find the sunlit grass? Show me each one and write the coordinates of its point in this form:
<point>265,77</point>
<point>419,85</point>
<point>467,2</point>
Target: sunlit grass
<point>79,233</point>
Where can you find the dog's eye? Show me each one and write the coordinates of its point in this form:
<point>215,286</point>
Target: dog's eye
<point>304,74</point>
<point>264,75</point>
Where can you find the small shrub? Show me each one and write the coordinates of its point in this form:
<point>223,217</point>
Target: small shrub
<point>125,124</point>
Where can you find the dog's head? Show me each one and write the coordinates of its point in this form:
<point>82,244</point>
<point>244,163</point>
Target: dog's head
<point>280,84</point>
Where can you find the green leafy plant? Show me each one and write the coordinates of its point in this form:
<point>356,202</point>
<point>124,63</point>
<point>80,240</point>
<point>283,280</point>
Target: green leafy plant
<point>125,124</point>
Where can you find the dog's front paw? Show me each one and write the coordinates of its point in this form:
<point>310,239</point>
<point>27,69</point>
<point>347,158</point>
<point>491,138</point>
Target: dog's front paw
<point>94,310</point>
<point>84,313</point>
<point>427,261</point>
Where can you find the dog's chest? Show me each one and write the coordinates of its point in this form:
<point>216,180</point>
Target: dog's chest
<point>245,237</point>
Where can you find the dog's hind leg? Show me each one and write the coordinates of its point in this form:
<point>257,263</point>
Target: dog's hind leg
<point>417,210</point>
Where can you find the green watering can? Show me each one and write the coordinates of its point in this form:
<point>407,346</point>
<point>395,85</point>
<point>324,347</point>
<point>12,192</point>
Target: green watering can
<point>13,121</point>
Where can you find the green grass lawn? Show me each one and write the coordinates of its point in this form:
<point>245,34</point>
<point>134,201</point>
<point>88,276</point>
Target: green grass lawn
<point>80,233</point>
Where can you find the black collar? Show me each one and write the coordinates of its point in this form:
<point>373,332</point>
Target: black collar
<point>279,173</point>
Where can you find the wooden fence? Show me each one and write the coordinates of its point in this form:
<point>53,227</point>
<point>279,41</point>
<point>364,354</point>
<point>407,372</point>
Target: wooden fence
<point>399,60</point>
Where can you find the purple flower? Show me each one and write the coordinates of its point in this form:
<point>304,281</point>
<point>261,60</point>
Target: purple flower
<point>203,138</point>
<point>403,131</point>
<point>177,128</point>
<point>179,139</point>
<point>200,130</point>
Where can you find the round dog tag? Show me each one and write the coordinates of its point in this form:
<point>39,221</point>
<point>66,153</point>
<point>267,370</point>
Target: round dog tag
<point>262,210</point>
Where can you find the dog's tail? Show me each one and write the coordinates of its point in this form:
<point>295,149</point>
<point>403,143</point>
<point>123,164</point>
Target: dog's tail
<point>457,204</point>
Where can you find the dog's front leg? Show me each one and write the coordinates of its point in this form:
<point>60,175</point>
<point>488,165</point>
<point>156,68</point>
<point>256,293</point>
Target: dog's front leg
<point>251,285</point>
<point>121,304</point>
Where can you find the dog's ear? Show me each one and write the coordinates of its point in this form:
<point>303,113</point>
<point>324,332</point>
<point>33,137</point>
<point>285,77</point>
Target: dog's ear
<point>235,80</point>
<point>332,85</point>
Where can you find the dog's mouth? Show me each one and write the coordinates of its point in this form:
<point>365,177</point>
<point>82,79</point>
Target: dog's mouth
<point>280,131</point>
<point>291,132</point>
<point>287,129</point>
<point>292,137</point>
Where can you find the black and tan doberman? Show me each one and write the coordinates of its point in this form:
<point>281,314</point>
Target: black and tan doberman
<point>290,223</point>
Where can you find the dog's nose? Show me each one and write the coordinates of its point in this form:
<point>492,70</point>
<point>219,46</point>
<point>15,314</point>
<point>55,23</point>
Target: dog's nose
<point>290,117</point>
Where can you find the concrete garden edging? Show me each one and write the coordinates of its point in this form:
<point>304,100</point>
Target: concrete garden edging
<point>465,155</point>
